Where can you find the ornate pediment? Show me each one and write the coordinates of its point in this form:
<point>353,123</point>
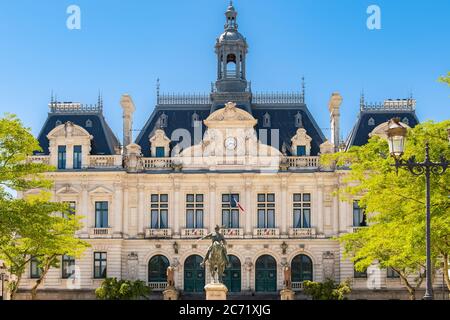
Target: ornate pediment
<point>301,139</point>
<point>100,190</point>
<point>159,138</point>
<point>67,190</point>
<point>68,130</point>
<point>230,115</point>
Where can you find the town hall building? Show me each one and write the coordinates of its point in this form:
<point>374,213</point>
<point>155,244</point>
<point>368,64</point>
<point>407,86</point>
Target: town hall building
<point>246,161</point>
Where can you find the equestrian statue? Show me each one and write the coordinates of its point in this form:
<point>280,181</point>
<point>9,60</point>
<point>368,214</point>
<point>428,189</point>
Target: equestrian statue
<point>217,255</point>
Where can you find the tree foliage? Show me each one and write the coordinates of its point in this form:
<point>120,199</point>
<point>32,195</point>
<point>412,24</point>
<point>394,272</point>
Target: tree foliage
<point>396,204</point>
<point>445,79</point>
<point>327,290</point>
<point>32,226</point>
<point>113,289</point>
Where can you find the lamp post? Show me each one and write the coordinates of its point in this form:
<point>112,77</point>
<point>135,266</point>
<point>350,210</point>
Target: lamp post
<point>396,138</point>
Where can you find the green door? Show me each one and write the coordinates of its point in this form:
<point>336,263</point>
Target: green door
<point>194,275</point>
<point>232,276</point>
<point>266,274</point>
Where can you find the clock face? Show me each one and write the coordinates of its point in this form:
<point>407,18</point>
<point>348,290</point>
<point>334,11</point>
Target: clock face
<point>230,143</point>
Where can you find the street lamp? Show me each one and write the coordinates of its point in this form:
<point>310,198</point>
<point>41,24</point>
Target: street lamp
<point>396,138</point>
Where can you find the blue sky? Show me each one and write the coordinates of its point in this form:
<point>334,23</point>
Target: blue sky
<point>124,46</point>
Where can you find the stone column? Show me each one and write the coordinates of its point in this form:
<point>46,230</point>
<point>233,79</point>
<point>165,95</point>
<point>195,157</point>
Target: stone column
<point>125,212</point>
<point>118,209</point>
<point>284,209</point>
<point>176,208</point>
<point>248,269</point>
<point>248,207</point>
<point>128,110</point>
<point>334,106</point>
<point>319,208</point>
<point>335,213</point>
<point>212,204</point>
<point>85,210</point>
<point>141,210</point>
<point>69,156</point>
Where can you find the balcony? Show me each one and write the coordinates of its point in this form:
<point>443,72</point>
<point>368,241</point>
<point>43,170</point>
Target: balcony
<point>111,162</point>
<point>39,160</point>
<point>266,233</point>
<point>300,233</point>
<point>234,233</point>
<point>157,163</point>
<point>100,232</point>
<point>193,233</point>
<point>303,162</point>
<point>157,286</point>
<point>297,286</point>
<point>158,233</point>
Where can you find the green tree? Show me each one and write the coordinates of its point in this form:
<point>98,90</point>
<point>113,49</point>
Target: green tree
<point>445,79</point>
<point>396,235</point>
<point>29,227</point>
<point>113,289</point>
<point>327,290</point>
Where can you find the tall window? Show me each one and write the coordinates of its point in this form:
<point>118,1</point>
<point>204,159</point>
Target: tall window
<point>302,210</point>
<point>101,214</point>
<point>68,266</point>
<point>160,152</point>
<point>77,157</point>
<point>100,263</point>
<point>392,274</point>
<point>61,157</point>
<point>159,211</point>
<point>35,269</point>
<point>359,216</point>
<point>230,211</point>
<point>266,210</point>
<point>72,208</point>
<point>301,151</point>
<point>194,211</point>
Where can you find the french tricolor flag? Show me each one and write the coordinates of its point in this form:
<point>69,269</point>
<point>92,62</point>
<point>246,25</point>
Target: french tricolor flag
<point>238,205</point>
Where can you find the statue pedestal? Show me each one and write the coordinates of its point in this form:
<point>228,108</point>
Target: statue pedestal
<point>216,291</point>
<point>287,294</point>
<point>170,293</point>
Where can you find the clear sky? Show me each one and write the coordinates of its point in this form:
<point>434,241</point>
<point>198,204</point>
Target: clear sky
<point>124,46</point>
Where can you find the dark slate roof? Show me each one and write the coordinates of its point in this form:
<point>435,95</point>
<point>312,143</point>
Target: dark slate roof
<point>282,118</point>
<point>104,141</point>
<point>360,132</point>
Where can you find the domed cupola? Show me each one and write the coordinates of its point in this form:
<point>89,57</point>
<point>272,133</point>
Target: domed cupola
<point>231,50</point>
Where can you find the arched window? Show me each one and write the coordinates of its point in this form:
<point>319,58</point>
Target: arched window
<point>371,122</point>
<point>298,120</point>
<point>302,268</point>
<point>88,123</point>
<point>405,121</point>
<point>266,120</point>
<point>58,123</point>
<point>232,276</point>
<point>163,120</point>
<point>231,65</point>
<point>266,274</point>
<point>157,268</point>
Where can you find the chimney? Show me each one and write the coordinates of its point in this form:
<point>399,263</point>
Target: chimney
<point>334,106</point>
<point>128,109</point>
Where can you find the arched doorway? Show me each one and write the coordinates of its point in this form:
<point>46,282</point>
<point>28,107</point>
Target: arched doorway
<point>157,268</point>
<point>194,275</point>
<point>302,268</point>
<point>266,274</point>
<point>232,276</point>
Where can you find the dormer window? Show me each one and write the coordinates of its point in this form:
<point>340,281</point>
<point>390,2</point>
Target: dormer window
<point>58,123</point>
<point>163,120</point>
<point>61,157</point>
<point>371,122</point>
<point>195,120</point>
<point>88,123</point>
<point>298,120</point>
<point>266,120</point>
<point>77,157</point>
<point>159,144</point>
<point>405,121</point>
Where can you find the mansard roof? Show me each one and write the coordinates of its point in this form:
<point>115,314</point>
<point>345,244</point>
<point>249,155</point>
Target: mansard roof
<point>282,117</point>
<point>89,118</point>
<point>372,115</point>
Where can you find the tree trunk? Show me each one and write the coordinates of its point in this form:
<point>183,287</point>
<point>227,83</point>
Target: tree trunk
<point>39,281</point>
<point>445,271</point>
<point>409,287</point>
